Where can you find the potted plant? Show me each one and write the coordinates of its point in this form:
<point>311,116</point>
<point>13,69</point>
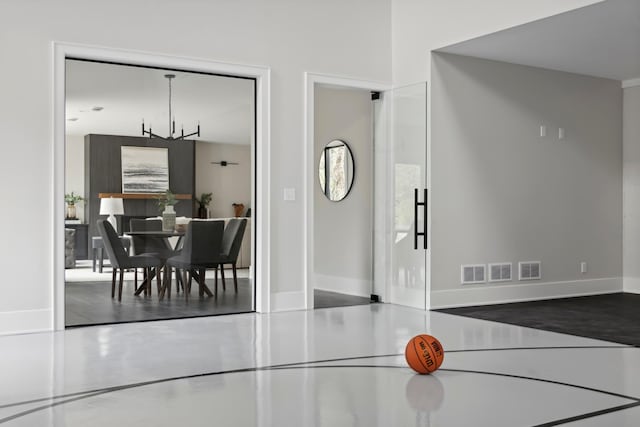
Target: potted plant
<point>72,199</point>
<point>203,203</point>
<point>166,202</point>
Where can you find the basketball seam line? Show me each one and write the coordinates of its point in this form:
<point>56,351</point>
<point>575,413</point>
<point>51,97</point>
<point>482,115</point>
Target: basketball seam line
<point>418,357</point>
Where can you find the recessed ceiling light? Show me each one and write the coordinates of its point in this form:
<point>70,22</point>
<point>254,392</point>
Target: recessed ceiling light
<point>98,108</point>
<point>72,119</point>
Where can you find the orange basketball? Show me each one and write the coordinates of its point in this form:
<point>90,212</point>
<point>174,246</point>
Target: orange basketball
<point>424,353</point>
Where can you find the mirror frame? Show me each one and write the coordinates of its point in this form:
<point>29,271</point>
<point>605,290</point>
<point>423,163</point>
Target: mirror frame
<point>349,152</point>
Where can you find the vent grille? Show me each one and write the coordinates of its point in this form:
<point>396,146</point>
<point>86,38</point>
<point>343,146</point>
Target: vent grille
<point>530,270</point>
<point>472,274</point>
<point>500,272</point>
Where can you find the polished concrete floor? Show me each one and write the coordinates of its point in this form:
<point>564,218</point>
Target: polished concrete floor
<point>332,367</point>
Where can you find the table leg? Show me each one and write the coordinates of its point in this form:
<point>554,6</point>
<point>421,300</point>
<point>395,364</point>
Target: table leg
<point>145,285</point>
<point>100,260</point>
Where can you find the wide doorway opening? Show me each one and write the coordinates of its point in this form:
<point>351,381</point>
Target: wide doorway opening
<point>159,155</point>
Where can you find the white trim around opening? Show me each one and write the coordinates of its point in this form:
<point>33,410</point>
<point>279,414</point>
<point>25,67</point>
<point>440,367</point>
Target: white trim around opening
<point>260,168</point>
<point>310,81</point>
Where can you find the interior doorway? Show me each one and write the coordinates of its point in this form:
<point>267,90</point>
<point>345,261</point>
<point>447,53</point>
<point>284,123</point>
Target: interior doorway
<point>339,233</point>
<point>343,196</point>
<point>399,153</point>
<point>99,114</point>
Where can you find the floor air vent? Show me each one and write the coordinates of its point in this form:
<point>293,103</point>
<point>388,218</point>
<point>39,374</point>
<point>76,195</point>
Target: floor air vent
<point>529,270</point>
<point>500,272</point>
<point>472,274</point>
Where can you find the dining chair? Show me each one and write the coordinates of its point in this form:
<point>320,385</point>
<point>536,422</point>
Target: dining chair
<point>201,247</point>
<point>121,261</point>
<point>231,243</point>
<point>147,244</point>
<point>158,246</point>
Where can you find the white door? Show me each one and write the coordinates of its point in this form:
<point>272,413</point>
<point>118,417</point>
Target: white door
<point>400,237</point>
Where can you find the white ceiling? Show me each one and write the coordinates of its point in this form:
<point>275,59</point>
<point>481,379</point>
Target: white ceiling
<point>601,40</point>
<point>224,106</point>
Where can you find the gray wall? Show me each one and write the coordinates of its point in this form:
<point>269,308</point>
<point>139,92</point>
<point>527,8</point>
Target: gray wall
<point>343,231</point>
<point>229,184</point>
<point>631,132</point>
<point>501,193</point>
<point>74,168</point>
<point>103,174</point>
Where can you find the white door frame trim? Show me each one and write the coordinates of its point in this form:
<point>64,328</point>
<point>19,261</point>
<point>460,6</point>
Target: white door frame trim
<point>260,168</point>
<point>310,80</point>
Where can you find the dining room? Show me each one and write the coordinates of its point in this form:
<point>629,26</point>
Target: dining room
<point>162,160</point>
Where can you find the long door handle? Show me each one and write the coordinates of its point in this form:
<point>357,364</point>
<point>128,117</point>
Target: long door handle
<point>417,204</point>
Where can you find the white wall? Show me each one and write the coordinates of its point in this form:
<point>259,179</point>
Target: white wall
<point>418,27</point>
<point>631,138</point>
<point>421,26</point>
<point>501,193</point>
<point>229,184</point>
<point>74,169</point>
<point>343,231</point>
<point>332,37</point>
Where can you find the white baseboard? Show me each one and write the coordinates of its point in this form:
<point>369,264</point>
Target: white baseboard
<point>500,294</point>
<point>343,285</point>
<point>288,301</point>
<point>631,285</point>
<point>24,322</point>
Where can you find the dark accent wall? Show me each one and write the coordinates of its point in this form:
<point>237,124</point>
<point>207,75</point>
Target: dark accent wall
<point>103,174</point>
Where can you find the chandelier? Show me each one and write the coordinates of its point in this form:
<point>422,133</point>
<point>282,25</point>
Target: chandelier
<point>172,122</point>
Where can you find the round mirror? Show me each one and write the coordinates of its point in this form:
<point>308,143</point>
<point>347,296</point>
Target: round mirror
<point>336,170</point>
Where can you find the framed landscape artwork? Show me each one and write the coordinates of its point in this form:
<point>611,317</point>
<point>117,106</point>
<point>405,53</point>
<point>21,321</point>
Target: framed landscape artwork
<point>145,169</point>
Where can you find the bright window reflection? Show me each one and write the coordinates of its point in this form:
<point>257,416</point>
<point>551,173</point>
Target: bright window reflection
<point>336,167</point>
<point>407,178</point>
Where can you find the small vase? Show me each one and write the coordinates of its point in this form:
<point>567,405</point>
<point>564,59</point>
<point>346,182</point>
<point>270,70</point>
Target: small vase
<point>238,208</point>
<point>168,218</point>
<point>202,212</point>
<point>71,211</point>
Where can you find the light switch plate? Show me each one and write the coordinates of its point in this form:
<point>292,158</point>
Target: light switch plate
<point>289,194</point>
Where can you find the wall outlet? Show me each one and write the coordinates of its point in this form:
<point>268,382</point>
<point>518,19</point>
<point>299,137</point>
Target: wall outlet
<point>583,267</point>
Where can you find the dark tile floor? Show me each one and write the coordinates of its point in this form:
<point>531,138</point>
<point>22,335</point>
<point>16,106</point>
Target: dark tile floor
<point>90,303</point>
<point>325,299</point>
<point>611,317</point>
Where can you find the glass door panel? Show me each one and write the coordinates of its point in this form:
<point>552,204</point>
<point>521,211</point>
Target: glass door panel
<point>401,175</point>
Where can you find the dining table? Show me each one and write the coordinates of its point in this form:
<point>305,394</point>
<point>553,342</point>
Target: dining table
<point>162,234</point>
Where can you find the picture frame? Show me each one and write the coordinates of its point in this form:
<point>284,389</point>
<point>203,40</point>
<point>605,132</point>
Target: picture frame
<point>144,169</point>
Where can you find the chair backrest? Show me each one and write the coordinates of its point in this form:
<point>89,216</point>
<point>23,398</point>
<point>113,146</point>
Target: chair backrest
<point>146,244</point>
<point>232,239</point>
<point>202,241</point>
<point>112,244</point>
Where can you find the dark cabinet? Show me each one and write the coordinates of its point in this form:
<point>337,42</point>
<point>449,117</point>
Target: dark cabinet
<point>81,240</point>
